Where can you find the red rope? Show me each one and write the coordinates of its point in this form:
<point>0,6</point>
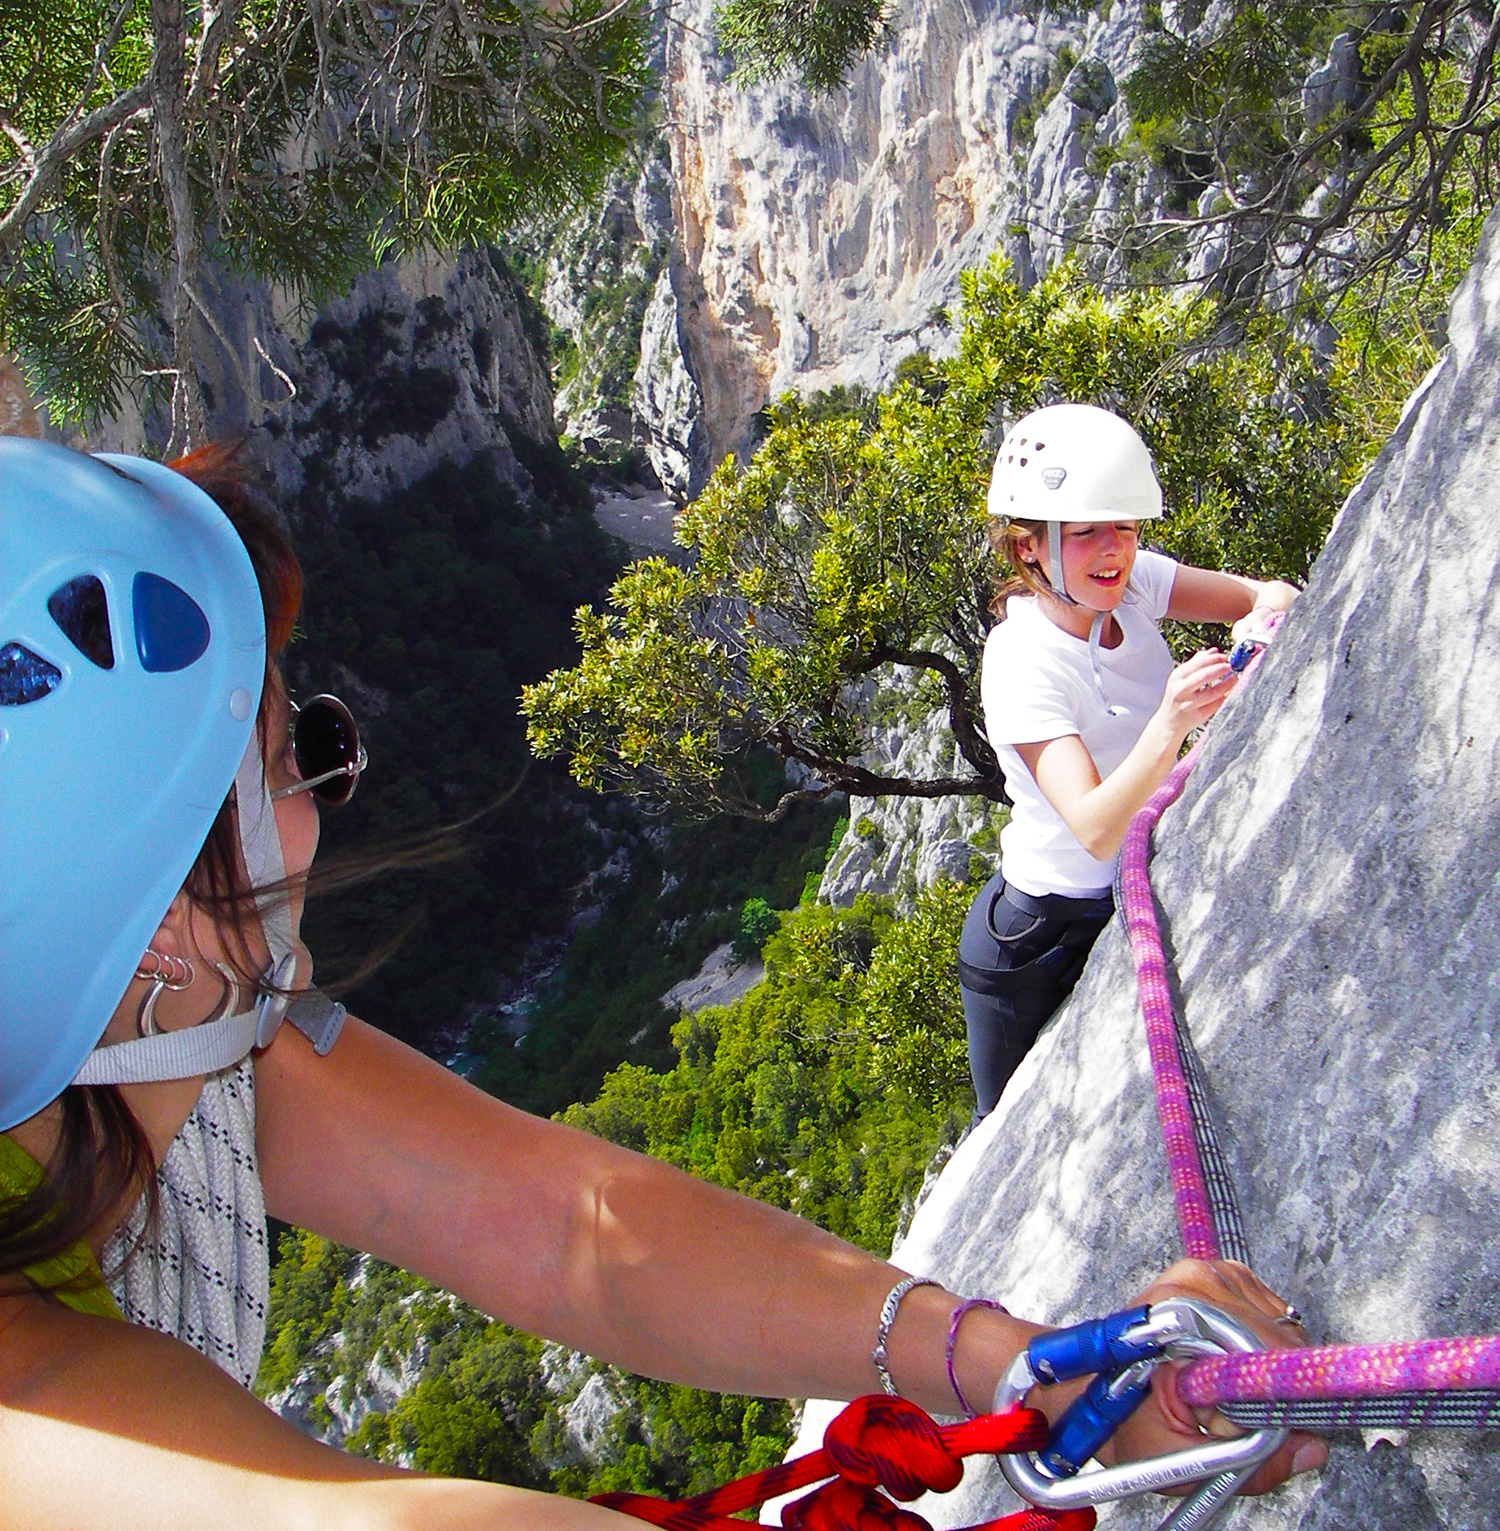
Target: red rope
<point>875,1443</point>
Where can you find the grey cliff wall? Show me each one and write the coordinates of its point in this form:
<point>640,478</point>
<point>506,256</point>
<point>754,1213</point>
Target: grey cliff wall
<point>424,361</point>
<point>1328,882</point>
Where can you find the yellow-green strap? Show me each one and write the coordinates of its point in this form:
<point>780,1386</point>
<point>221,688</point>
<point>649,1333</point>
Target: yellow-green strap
<point>73,1276</point>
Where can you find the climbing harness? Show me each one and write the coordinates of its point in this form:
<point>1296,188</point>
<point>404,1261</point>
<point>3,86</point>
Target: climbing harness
<point>1445,1382</point>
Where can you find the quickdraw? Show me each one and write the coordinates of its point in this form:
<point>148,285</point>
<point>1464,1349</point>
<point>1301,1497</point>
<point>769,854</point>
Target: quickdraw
<point>889,1443</point>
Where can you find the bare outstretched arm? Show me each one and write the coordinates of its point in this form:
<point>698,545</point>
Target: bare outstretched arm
<point>117,1428</point>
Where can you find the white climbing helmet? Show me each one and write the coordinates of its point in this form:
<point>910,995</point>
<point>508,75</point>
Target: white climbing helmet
<point>1072,462</point>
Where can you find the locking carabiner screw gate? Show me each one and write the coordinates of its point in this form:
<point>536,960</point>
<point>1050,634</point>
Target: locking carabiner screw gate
<point>1121,1351</point>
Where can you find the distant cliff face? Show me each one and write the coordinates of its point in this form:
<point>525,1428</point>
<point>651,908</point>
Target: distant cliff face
<point>818,240</point>
<point>1328,886</point>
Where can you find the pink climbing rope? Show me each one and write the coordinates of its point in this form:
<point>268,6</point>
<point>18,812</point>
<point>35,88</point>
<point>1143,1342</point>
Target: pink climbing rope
<point>1138,910</point>
<point>1346,1371</point>
<point>1447,1382</point>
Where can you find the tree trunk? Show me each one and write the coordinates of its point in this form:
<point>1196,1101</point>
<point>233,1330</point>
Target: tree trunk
<point>168,80</point>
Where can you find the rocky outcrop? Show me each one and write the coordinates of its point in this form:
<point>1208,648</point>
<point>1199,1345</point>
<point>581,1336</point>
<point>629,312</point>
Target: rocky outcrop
<point>898,845</point>
<point>666,406</point>
<point>601,281</point>
<point>1328,886</point>
<point>425,361</point>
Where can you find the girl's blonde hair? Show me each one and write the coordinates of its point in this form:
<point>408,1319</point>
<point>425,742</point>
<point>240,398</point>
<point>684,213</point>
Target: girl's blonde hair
<point>1026,576</point>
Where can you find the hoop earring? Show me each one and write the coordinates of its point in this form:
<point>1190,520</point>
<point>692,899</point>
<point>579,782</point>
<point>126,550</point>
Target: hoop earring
<point>230,1004</point>
<point>165,972</point>
<point>174,973</point>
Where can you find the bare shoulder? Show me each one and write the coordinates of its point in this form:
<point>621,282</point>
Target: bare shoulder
<point>104,1375</point>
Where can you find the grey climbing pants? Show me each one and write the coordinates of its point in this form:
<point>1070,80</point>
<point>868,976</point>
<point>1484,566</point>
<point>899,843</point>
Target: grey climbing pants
<point>1018,959</point>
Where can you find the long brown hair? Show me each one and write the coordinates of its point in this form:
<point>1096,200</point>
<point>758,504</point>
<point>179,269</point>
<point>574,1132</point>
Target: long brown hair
<point>103,1158</point>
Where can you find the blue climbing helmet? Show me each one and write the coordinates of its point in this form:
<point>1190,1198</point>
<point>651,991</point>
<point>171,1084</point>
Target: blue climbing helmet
<point>132,655</point>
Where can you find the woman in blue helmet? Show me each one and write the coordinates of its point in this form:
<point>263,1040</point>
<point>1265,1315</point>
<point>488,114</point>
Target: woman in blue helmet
<point>156,830</point>
<point>1083,705</point>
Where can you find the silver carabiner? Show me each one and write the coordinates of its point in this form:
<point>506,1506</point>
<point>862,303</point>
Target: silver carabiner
<point>1184,1327</point>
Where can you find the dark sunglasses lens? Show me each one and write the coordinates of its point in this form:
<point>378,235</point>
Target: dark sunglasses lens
<point>325,739</point>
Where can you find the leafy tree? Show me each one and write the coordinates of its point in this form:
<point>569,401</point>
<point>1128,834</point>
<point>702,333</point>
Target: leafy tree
<point>853,547</point>
<point>147,143</point>
<point>757,921</point>
<point>825,1089</point>
<point>909,1002</point>
<point>1322,143</point>
<point>817,41</point>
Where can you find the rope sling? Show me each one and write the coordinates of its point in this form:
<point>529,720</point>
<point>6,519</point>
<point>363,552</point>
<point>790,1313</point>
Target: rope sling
<point>876,1442</point>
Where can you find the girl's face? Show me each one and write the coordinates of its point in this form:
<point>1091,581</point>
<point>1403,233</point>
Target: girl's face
<point>1097,558</point>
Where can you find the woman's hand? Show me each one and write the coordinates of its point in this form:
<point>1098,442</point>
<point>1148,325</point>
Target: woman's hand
<point>1164,1423</point>
<point>1195,691</point>
<point>1259,625</point>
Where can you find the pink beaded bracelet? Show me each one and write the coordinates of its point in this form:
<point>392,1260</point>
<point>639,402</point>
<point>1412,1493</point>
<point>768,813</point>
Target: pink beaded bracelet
<point>948,1349</point>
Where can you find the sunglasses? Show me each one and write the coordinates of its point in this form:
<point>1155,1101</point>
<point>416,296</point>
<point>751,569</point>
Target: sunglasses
<point>325,744</point>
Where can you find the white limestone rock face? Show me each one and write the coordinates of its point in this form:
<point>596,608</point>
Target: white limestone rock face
<point>1328,885</point>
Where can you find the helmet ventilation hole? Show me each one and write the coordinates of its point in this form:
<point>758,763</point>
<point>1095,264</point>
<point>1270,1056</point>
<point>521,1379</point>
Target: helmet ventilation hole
<point>171,631</point>
<point>81,610</point>
<point>24,676</point>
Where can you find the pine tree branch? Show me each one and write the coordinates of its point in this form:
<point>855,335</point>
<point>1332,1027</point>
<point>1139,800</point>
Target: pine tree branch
<point>53,158</point>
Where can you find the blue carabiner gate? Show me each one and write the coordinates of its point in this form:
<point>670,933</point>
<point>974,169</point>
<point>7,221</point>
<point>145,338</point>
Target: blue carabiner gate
<point>1122,1351</point>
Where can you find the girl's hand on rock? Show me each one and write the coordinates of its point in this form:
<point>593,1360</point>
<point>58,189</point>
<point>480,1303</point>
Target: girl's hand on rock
<point>1165,1423</point>
<point>1260,624</point>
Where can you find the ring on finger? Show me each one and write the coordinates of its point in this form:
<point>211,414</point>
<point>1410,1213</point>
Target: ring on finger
<point>1291,1315</point>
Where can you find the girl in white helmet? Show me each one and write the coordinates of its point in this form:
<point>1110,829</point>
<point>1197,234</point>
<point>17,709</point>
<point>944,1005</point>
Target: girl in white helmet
<point>1082,705</point>
<point>157,826</point>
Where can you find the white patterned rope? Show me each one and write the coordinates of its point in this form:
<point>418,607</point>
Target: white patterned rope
<point>201,1270</point>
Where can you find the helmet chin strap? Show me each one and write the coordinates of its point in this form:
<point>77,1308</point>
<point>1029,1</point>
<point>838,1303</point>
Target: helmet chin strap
<point>220,1044</point>
<point>1054,563</point>
<point>1096,627</point>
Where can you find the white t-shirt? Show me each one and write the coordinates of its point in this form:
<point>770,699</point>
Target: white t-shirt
<point>1038,683</point>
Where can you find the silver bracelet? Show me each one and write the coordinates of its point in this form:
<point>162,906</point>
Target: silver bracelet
<point>880,1356</point>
